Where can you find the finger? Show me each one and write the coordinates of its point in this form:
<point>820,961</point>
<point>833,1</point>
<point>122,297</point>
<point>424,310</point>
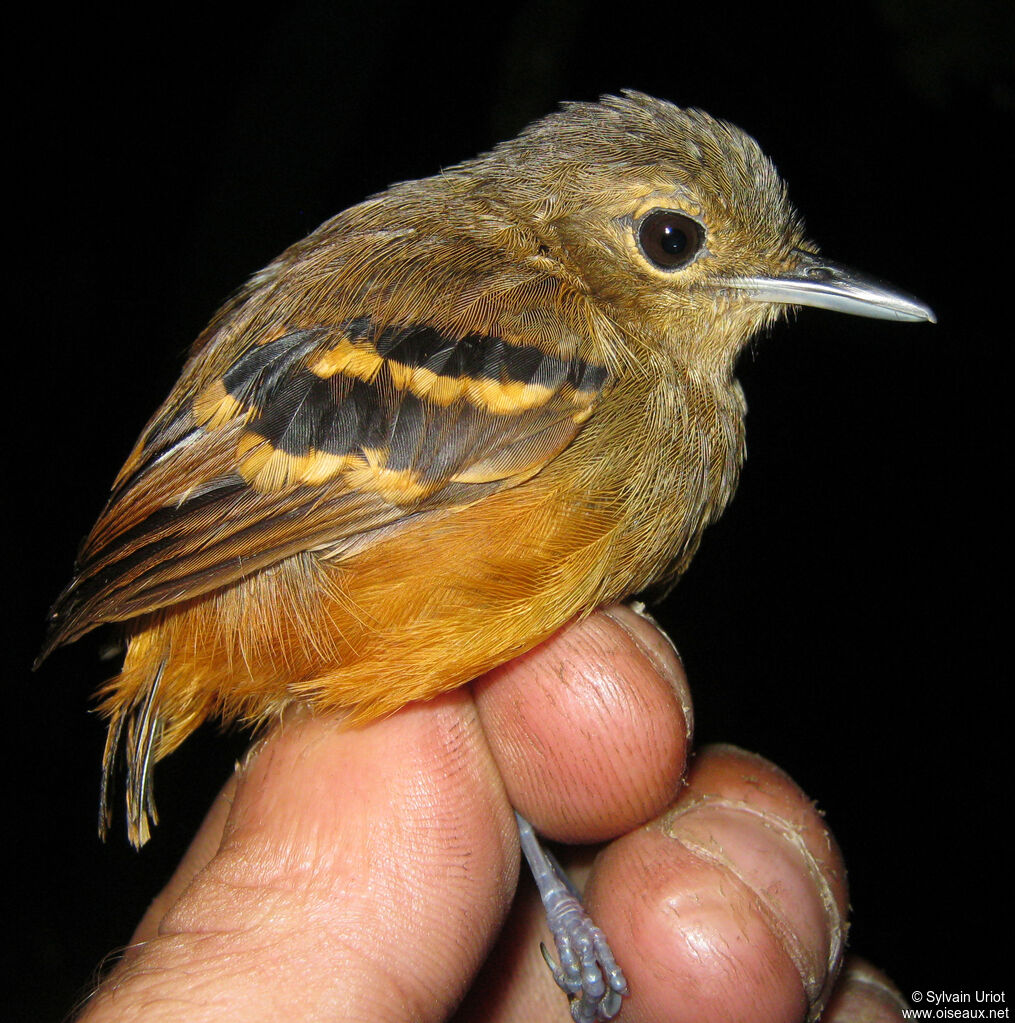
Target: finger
<point>590,730</point>
<point>198,855</point>
<point>731,905</point>
<point>361,874</point>
<point>863,994</point>
<point>741,892</point>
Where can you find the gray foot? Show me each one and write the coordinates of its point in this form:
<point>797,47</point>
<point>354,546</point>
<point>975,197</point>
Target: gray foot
<point>588,973</point>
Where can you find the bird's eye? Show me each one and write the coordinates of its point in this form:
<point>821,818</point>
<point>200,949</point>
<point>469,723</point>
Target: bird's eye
<point>669,240</point>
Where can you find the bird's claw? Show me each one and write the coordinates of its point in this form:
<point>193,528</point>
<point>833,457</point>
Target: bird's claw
<point>588,974</point>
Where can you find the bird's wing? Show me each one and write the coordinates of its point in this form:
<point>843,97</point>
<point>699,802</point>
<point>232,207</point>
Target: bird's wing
<point>313,440</point>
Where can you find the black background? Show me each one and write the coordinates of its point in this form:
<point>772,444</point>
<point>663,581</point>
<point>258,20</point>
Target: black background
<point>844,619</point>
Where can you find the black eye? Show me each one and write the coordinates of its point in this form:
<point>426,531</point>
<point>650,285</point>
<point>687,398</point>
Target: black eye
<point>669,240</point>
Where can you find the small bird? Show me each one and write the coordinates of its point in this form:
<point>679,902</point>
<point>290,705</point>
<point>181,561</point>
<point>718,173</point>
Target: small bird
<point>451,419</point>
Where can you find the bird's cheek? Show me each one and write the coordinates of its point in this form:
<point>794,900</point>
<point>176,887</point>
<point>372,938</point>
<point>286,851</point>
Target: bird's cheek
<point>598,257</point>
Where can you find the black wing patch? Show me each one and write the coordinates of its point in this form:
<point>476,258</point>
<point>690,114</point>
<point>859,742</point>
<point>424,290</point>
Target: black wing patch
<point>408,405</point>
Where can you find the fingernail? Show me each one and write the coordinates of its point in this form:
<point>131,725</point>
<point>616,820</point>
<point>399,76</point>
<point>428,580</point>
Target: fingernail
<point>771,854</point>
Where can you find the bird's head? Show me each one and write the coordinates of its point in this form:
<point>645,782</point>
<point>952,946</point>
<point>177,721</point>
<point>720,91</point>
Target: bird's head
<point>674,221</point>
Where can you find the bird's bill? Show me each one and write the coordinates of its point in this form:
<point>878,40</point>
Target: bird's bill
<point>824,284</point>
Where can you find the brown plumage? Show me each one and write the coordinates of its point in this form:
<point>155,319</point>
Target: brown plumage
<point>448,421</point>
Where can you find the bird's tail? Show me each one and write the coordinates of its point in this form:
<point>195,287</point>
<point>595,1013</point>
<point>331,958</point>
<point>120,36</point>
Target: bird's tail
<point>135,728</point>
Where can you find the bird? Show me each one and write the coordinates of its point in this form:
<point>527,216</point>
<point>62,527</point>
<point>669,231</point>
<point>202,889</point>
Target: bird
<point>451,419</point>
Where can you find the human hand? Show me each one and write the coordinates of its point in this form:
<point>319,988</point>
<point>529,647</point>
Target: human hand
<point>364,874</point>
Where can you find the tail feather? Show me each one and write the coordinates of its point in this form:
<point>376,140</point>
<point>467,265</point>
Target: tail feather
<point>136,730</point>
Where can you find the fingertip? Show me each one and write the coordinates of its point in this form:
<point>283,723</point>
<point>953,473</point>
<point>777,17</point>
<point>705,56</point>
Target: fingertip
<point>864,994</point>
<point>659,647</point>
<point>720,909</point>
<point>590,729</point>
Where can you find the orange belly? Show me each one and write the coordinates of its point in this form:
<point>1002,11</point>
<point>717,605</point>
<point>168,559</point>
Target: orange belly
<point>359,633</point>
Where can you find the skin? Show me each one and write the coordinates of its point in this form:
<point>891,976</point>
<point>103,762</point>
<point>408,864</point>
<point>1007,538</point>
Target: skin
<point>350,874</point>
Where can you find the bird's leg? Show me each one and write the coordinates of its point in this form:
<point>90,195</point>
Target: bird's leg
<point>587,973</point>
